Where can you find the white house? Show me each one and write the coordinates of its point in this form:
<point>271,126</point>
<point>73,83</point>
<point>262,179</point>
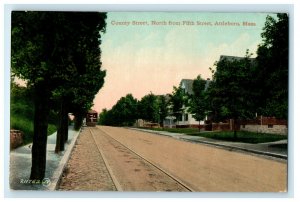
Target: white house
<point>186,119</point>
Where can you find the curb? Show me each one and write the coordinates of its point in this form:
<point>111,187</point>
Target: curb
<point>239,149</point>
<point>63,162</point>
<point>218,145</point>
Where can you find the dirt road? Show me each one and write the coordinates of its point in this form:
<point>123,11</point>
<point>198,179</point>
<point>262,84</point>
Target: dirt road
<point>200,167</point>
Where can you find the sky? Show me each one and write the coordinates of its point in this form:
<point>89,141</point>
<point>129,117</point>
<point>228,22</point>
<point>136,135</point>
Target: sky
<point>145,52</point>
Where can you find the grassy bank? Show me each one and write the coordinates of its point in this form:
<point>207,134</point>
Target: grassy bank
<point>26,126</point>
<point>22,113</point>
<point>242,136</point>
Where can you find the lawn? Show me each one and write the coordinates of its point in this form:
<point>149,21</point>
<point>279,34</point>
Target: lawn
<point>242,136</point>
<point>176,130</point>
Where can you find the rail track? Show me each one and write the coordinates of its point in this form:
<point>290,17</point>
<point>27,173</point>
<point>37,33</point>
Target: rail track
<point>180,185</point>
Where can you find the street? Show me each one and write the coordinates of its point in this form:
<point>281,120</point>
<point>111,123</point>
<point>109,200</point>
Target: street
<point>140,161</point>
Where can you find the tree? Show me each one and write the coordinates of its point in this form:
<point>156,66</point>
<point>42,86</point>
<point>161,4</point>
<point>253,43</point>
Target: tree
<point>45,53</point>
<point>162,108</point>
<point>231,95</point>
<point>126,110</point>
<point>177,100</point>
<point>272,71</point>
<point>148,108</point>
<point>103,117</point>
<point>123,113</point>
<point>197,105</point>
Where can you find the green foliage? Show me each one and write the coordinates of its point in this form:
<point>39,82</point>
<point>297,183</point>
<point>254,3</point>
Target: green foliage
<point>178,99</point>
<point>123,113</point>
<point>231,94</point>
<point>149,108</point>
<point>163,108</point>
<point>197,103</point>
<point>272,71</point>
<point>60,50</point>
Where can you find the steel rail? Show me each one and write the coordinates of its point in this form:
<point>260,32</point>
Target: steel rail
<point>111,174</point>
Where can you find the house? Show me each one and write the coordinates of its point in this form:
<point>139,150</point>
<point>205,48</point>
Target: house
<point>186,119</point>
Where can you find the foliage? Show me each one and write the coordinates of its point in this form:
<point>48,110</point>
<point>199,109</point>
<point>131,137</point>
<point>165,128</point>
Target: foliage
<point>149,108</point>
<point>272,71</point>
<point>163,108</point>
<point>177,101</point>
<point>231,94</point>
<point>197,104</point>
<point>123,113</point>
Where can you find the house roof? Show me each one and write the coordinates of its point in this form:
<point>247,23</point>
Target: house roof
<point>187,85</point>
<point>232,58</point>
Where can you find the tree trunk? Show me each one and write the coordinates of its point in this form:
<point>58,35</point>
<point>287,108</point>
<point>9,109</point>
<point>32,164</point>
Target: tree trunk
<point>77,121</point>
<point>65,120</point>
<point>66,127</point>
<point>234,129</point>
<point>199,126</point>
<point>39,145</point>
<point>60,139</point>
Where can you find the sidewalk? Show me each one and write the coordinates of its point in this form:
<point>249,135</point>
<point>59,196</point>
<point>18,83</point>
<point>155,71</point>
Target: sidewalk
<point>20,164</point>
<point>272,149</point>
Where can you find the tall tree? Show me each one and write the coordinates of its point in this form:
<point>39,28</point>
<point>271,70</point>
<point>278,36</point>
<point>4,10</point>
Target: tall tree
<point>197,104</point>
<point>43,53</point>
<point>231,94</point>
<point>272,71</point>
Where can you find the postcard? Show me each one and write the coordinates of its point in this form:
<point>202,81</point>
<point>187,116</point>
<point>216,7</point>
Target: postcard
<point>149,101</point>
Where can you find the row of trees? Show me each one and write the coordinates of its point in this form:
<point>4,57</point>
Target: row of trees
<point>128,109</point>
<point>58,54</point>
<point>240,88</point>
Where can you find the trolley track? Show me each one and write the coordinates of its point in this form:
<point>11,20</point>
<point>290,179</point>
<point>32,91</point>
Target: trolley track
<point>176,183</point>
<point>113,178</point>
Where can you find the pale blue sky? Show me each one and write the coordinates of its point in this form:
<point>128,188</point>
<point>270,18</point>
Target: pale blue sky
<point>144,58</point>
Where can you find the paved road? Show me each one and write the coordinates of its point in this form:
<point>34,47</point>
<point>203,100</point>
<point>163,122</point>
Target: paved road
<point>205,168</point>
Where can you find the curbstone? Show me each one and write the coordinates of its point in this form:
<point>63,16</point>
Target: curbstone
<point>57,174</point>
